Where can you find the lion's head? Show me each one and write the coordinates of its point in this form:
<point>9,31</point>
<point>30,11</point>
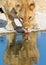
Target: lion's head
<point>24,10</point>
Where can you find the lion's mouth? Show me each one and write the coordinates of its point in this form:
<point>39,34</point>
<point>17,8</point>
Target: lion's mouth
<point>19,26</point>
<point>26,31</point>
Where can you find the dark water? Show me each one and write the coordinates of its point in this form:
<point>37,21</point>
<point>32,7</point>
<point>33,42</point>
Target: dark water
<point>41,43</point>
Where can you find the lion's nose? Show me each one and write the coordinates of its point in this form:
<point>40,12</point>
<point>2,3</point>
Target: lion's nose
<point>26,25</point>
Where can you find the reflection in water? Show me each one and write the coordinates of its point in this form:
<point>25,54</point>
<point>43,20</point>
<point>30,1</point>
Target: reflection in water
<point>21,49</point>
<point>3,45</point>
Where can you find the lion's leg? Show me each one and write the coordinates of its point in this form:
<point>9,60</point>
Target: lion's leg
<point>9,25</point>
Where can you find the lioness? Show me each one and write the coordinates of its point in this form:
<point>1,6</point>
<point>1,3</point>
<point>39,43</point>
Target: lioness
<point>16,54</point>
<point>23,9</point>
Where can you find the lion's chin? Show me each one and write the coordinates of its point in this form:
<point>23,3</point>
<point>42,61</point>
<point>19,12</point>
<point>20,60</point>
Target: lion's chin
<point>26,31</point>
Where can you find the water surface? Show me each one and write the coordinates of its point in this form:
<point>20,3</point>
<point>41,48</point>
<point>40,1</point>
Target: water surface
<point>41,44</point>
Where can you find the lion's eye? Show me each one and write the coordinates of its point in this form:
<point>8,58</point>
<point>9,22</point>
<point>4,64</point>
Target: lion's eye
<point>30,17</point>
<point>32,6</point>
<point>18,5</point>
